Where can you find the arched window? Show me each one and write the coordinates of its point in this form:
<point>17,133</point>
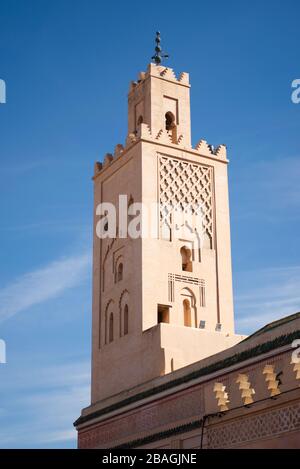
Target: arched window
<point>126,319</point>
<point>111,328</point>
<point>124,305</point>
<point>189,309</point>
<point>187,313</point>
<point>170,121</point>
<point>109,312</point>
<point>120,272</point>
<point>171,126</point>
<point>207,241</point>
<point>186,259</point>
<point>140,120</point>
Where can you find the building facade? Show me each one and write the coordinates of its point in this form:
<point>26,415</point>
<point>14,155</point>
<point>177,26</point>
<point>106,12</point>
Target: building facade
<point>162,283</point>
<point>247,396</point>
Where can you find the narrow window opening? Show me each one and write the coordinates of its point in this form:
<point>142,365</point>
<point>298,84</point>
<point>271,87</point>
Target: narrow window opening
<point>126,320</point>
<point>187,313</point>
<point>171,126</point>
<point>186,255</point>
<point>111,327</point>
<point>170,121</point>
<point>120,272</point>
<point>163,314</point>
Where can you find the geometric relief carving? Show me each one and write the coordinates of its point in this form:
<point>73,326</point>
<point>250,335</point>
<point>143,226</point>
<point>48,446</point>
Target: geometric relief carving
<point>172,278</point>
<point>221,396</point>
<point>252,428</point>
<point>133,424</point>
<point>272,379</point>
<point>123,321</point>
<point>182,184</point>
<point>109,309</point>
<point>104,264</point>
<point>245,387</point>
<point>296,368</point>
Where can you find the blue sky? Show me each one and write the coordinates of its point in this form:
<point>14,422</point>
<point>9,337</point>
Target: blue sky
<point>67,66</point>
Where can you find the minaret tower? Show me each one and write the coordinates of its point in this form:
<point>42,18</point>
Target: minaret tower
<point>162,300</point>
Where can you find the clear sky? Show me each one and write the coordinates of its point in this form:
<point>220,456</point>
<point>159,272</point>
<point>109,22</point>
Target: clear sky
<point>67,65</point>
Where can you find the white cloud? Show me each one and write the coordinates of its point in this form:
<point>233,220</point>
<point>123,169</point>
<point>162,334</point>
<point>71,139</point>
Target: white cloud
<point>42,415</point>
<point>265,296</point>
<point>61,436</point>
<point>71,374</point>
<point>42,284</point>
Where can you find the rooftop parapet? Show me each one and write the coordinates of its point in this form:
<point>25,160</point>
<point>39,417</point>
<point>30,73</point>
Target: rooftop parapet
<point>206,149</point>
<point>164,138</point>
<point>162,72</point>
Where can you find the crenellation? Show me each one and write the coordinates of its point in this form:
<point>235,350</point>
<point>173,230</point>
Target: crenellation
<point>221,151</point>
<point>119,149</point>
<point>107,160</point>
<point>207,149</point>
<point>203,148</point>
<point>132,85</point>
<point>144,131</point>
<point>184,78</point>
<point>160,133</point>
<point>161,72</point>
<point>130,139</point>
<point>180,139</point>
<point>164,137</point>
<point>168,73</point>
<point>97,167</point>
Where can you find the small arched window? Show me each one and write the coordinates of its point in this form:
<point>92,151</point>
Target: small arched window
<point>187,313</point>
<point>140,120</point>
<point>111,327</point>
<point>170,120</point>
<point>186,259</point>
<point>126,319</point>
<point>120,272</point>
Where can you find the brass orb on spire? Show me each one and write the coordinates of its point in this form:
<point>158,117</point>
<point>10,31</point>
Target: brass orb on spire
<point>159,55</point>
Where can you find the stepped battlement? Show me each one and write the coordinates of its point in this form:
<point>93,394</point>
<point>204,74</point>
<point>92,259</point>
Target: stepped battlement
<point>162,72</point>
<point>163,137</point>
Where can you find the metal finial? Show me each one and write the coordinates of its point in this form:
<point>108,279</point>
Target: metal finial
<point>159,55</point>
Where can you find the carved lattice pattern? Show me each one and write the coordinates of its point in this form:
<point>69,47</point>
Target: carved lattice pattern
<point>184,184</point>
<point>254,427</point>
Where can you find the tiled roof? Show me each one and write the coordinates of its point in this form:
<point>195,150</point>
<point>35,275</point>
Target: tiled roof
<point>273,325</point>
